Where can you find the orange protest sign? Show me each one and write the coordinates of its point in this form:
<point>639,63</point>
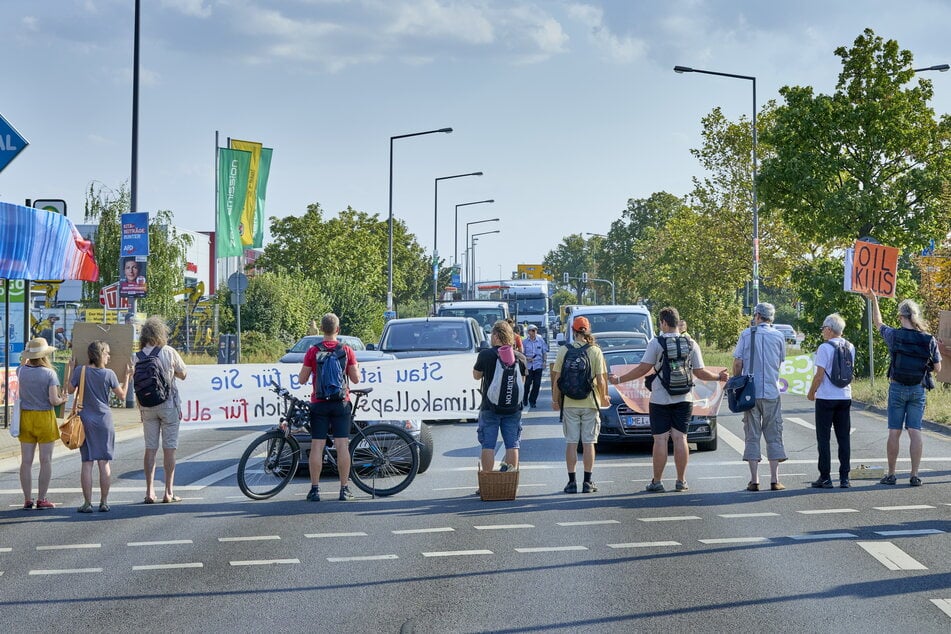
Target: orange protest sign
<point>874,268</point>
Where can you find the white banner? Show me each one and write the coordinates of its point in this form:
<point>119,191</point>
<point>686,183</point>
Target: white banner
<point>438,387</point>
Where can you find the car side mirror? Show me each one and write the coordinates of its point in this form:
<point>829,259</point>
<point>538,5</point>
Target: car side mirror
<point>371,346</point>
<point>484,345</point>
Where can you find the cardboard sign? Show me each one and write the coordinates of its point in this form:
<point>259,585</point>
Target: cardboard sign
<point>118,336</point>
<point>944,334</point>
<point>874,268</point>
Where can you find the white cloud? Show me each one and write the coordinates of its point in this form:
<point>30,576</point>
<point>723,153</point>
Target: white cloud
<point>194,8</point>
<point>622,49</point>
<point>431,19</point>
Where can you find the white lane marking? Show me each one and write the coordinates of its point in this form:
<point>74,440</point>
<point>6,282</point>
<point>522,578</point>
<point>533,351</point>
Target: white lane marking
<point>588,523</point>
<point>733,540</point>
<point>644,544</point>
<point>320,535</point>
<point>264,562</point>
<point>5,550</point>
<point>362,558</point>
<point>456,553</point>
<point>740,515</point>
<point>549,549</point>
<point>943,604</point>
<point>729,477</point>
<point>67,571</point>
<point>827,511</point>
<point>495,527</point>
<point>918,531</point>
<point>737,443</point>
<point>675,518</point>
<point>416,531</point>
<point>470,488</point>
<point>250,538</point>
<point>823,536</point>
<point>69,546</point>
<point>194,564</point>
<point>801,422</point>
<point>170,542</point>
<point>218,476</point>
<point>910,507</point>
<point>891,556</point>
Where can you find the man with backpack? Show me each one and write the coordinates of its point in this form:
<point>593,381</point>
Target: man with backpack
<point>676,359</point>
<point>579,388</point>
<point>914,355</point>
<point>157,366</point>
<point>501,369</point>
<point>334,367</point>
<point>831,390</point>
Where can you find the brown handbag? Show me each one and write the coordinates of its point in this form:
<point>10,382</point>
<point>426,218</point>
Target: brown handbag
<point>71,432</point>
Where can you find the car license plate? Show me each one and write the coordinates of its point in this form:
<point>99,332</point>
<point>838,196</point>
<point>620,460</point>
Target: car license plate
<point>637,421</point>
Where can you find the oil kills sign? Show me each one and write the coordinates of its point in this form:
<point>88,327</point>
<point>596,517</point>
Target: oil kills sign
<point>11,143</point>
<point>874,268</point>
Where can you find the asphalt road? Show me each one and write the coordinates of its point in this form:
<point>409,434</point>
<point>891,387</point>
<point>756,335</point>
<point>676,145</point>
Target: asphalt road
<point>437,559</point>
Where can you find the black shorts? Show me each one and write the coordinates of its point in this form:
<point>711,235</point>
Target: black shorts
<point>665,417</point>
<point>328,416</point>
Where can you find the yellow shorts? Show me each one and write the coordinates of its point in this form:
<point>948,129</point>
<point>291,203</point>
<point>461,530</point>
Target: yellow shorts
<point>38,426</point>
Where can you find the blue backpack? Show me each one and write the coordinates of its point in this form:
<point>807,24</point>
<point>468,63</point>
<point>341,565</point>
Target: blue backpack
<point>331,380</point>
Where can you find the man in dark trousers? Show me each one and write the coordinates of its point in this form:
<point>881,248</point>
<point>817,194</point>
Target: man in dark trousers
<point>536,351</point>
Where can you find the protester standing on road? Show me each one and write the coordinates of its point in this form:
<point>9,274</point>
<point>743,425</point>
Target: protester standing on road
<point>327,415</point>
<point>914,354</point>
<point>833,404</point>
<point>162,421</point>
<point>96,416</point>
<point>536,352</point>
<point>765,420</point>
<point>580,417</point>
<point>518,338</point>
<point>491,422</point>
<point>669,414</point>
<point>39,394</point>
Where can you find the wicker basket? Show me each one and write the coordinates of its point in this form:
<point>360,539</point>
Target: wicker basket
<point>498,485</point>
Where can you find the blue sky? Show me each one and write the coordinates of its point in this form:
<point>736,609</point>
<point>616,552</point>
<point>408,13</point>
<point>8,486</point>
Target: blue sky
<point>568,107</point>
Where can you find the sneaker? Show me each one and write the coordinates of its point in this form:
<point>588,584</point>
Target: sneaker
<point>915,481</point>
<point>889,479</point>
<point>314,495</point>
<point>45,504</point>
<point>345,494</point>
<point>845,483</point>
<point>655,487</point>
<point>571,487</point>
<point>822,483</point>
<point>777,486</point>
<point>588,487</point>
<point>681,485</point>
<point>27,505</point>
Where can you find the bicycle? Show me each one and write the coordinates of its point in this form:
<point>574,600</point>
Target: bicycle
<point>384,458</point>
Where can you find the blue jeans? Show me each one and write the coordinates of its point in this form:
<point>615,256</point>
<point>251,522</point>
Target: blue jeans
<point>491,423</point>
<point>906,405</point>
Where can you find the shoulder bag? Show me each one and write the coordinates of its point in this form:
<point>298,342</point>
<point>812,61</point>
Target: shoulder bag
<point>71,432</point>
<point>741,390</point>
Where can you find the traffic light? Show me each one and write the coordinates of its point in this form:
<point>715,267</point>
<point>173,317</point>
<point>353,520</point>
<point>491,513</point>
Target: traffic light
<point>566,278</point>
<point>584,278</point>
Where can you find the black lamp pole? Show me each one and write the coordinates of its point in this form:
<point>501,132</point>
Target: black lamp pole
<point>435,232</point>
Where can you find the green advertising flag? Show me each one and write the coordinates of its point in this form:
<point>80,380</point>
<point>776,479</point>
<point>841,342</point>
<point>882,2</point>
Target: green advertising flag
<point>233,169</point>
<point>264,166</point>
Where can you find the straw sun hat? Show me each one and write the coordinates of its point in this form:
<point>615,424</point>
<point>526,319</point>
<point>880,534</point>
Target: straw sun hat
<point>37,349</point>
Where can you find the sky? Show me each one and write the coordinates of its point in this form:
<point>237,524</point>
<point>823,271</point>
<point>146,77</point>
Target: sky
<point>569,108</point>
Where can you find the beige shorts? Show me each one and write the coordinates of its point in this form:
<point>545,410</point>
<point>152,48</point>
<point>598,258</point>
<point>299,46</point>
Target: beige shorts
<point>580,423</point>
<point>162,421</point>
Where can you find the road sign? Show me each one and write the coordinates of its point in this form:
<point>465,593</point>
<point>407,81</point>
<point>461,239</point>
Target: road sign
<point>55,205</point>
<point>237,282</point>
<point>11,143</point>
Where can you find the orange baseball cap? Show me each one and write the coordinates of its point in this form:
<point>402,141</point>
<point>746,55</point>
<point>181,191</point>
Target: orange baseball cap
<point>580,324</point>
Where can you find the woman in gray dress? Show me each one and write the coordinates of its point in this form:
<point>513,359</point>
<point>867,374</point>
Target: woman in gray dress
<point>97,420</point>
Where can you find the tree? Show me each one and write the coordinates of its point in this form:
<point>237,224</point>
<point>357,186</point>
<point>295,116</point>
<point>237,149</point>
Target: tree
<point>573,256</point>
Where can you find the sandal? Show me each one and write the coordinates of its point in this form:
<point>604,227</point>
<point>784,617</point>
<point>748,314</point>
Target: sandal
<point>103,507</point>
<point>752,486</point>
<point>85,508</point>
<point>148,501</point>
<point>174,498</point>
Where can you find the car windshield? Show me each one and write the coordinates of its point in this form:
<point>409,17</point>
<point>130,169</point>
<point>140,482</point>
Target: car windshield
<point>617,341</point>
<point>623,357</point>
<point>485,316</point>
<point>426,336</point>
<point>620,322</point>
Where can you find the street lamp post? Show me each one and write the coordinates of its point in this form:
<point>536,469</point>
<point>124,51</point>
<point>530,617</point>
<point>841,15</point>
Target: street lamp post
<point>455,231</point>
<point>687,69</point>
<point>436,232</point>
<point>613,294</point>
<point>472,246</point>
<point>389,267</point>
<point>470,272</point>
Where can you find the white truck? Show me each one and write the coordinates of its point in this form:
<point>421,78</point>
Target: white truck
<point>529,302</point>
<point>486,313</point>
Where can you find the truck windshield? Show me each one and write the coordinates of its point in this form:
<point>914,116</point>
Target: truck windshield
<point>529,306</point>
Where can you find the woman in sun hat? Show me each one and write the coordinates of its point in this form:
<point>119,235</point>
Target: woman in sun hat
<point>39,394</point>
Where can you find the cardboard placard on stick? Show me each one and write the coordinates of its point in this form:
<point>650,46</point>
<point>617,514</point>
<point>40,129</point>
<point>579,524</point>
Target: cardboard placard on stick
<point>944,334</point>
<point>118,336</point>
<point>874,268</point>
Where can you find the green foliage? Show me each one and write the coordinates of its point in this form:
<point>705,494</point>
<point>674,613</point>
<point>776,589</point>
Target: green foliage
<point>573,256</point>
<point>561,298</point>
<point>257,347</point>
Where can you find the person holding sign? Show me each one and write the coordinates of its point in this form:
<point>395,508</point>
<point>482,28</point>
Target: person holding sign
<point>914,355</point>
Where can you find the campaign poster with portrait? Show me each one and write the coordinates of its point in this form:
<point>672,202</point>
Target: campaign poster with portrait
<point>133,276</point>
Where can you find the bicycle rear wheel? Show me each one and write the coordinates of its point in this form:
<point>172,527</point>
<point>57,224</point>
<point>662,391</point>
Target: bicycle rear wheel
<point>268,464</point>
<point>384,460</point>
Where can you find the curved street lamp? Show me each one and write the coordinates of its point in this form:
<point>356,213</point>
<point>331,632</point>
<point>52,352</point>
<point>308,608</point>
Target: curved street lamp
<point>436,233</point>
<point>470,271</point>
<point>472,247</point>
<point>455,232</point>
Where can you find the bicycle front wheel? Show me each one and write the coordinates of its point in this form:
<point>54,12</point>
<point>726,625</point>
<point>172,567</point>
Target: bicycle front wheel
<point>268,464</point>
<point>384,460</point>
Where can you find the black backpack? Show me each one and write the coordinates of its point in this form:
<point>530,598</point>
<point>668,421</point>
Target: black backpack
<point>504,392</point>
<point>331,380</point>
<point>676,370</point>
<point>842,370</point>
<point>575,378</point>
<point>149,379</point>
<point>911,356</point>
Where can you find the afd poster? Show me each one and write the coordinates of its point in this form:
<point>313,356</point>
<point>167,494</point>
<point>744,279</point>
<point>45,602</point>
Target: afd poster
<point>135,234</point>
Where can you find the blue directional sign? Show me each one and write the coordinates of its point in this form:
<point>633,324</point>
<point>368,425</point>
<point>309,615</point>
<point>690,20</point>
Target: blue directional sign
<point>11,143</point>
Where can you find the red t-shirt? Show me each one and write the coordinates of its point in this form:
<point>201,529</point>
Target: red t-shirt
<point>310,360</point>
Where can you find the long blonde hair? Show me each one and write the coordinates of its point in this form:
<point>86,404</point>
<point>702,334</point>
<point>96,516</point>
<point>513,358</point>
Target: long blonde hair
<point>910,310</point>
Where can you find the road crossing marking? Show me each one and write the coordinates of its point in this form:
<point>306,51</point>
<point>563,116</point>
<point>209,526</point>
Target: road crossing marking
<point>891,556</point>
<point>917,531</point>
<point>801,422</point>
<point>674,518</point>
<point>69,546</point>
<point>823,536</point>
<point>729,477</point>
<point>827,511</point>
<point>170,542</point>
<point>456,553</point>
<point>361,558</point>
<point>5,550</point>
<point>911,507</point>
<point>737,443</point>
<point>742,515</point>
<point>66,571</point>
<point>194,564</point>
<point>644,544</point>
<point>264,562</point>
<point>549,549</point>
<point>588,523</point>
<point>321,535</point>
<point>416,531</point>
<point>251,538</point>
<point>943,604</point>
<point>493,527</point>
<point>734,540</point>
